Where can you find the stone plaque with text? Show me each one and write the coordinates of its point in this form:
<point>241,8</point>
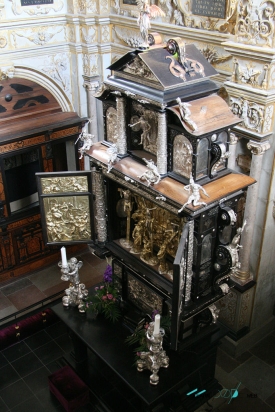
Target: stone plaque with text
<point>35,2</point>
<point>209,8</point>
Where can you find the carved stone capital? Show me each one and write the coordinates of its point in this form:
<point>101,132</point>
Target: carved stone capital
<point>258,148</point>
<point>91,86</point>
<point>233,139</point>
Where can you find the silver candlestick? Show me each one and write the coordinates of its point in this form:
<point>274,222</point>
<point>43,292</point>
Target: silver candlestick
<point>76,294</point>
<point>156,358</point>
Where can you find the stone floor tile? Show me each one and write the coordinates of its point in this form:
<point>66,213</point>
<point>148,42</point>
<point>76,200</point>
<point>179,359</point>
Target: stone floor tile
<point>15,286</point>
<point>265,350</point>
<point>256,376</point>
<point>26,297</point>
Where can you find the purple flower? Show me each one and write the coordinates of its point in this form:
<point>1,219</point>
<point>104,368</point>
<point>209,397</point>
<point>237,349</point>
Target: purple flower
<point>154,313</point>
<point>108,274</point>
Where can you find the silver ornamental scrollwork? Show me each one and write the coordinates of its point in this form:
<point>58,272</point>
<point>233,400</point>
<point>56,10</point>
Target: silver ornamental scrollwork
<point>189,272</point>
<point>121,126</point>
<point>100,206</point>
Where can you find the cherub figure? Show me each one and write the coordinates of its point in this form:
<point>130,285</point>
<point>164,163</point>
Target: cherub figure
<point>146,12</point>
<point>112,152</point>
<point>195,195</point>
<point>87,140</point>
<point>185,113</point>
<point>151,175</point>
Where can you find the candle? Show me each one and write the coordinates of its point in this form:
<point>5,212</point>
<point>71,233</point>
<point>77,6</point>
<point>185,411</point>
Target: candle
<point>64,257</point>
<point>156,325</point>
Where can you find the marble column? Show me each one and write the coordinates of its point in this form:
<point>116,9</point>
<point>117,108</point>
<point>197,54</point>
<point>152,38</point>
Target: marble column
<point>233,140</point>
<point>243,275</point>
<point>91,87</point>
<point>100,207</point>
<point>162,144</point>
<point>121,125</point>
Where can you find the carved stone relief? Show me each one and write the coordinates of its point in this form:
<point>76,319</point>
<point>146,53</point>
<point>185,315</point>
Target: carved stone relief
<point>3,42</point>
<point>34,10</point>
<point>2,9</point>
<point>255,23</point>
<point>211,22</point>
<point>91,6</point>
<point>88,34</point>
<point>228,307</point>
<point>252,114</point>
<point>90,64</point>
<point>213,55</point>
<point>244,309</point>
<point>127,36</point>
<point>103,5</point>
<point>250,74</point>
<point>105,34</point>
<point>58,68</point>
<point>70,34</point>
<point>39,36</point>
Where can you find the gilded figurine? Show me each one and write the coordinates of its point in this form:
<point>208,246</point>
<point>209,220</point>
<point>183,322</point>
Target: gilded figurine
<point>146,12</point>
<point>195,194</point>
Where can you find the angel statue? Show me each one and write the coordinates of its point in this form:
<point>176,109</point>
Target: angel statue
<point>146,12</point>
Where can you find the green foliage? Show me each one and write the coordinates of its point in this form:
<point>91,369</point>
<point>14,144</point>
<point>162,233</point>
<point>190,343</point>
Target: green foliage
<point>105,298</point>
<point>138,337</point>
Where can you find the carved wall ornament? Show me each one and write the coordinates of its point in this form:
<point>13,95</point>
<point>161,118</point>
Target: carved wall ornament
<point>104,6</point>
<point>90,64</point>
<point>91,6</point>
<point>33,10</point>
<point>252,114</point>
<point>88,34</point>
<point>255,24</point>
<point>210,17</point>
<point>212,55</point>
<point>39,36</point>
<point>258,148</point>
<point>249,75</point>
<point>58,69</point>
<point>70,34</point>
<point>3,42</point>
<point>131,38</point>
<point>105,34</point>
<point>228,307</point>
<point>268,118</point>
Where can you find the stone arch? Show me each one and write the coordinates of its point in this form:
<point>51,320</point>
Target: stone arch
<point>46,82</point>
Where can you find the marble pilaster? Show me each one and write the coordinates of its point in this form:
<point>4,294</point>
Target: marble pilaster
<point>233,140</point>
<point>91,87</point>
<point>243,275</point>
